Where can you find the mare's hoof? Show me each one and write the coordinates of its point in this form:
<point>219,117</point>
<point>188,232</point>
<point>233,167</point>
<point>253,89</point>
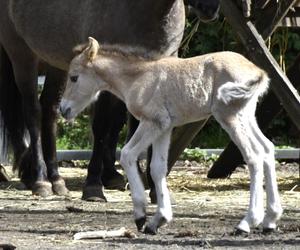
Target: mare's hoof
<point>150,230</point>
<point>269,230</point>
<point>114,181</point>
<point>239,232</point>
<point>28,183</point>
<point>93,193</point>
<point>140,223</point>
<point>42,188</point>
<point>59,187</point>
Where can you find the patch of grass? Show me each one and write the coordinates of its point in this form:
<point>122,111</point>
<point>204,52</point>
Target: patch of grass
<point>198,155</point>
<point>75,135</point>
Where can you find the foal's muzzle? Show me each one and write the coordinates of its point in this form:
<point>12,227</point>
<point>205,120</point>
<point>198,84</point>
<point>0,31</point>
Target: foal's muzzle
<point>65,112</point>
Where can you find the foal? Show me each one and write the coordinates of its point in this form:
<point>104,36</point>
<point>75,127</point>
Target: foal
<point>170,92</point>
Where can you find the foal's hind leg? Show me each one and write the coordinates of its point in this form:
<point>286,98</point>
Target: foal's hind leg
<point>238,128</point>
<point>50,98</point>
<point>158,170</point>
<point>274,209</point>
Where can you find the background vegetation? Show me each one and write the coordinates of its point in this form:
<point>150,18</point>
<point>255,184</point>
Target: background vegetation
<point>201,38</point>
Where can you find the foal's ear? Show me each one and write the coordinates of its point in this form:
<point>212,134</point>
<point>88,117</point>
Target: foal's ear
<point>92,50</point>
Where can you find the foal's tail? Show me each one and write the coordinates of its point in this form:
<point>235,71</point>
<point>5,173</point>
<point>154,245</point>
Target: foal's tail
<point>12,125</point>
<point>233,91</point>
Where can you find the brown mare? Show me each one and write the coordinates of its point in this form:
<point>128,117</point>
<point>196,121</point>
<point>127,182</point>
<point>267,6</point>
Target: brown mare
<point>31,31</point>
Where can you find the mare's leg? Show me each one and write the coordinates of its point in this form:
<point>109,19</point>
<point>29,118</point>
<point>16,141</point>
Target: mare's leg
<point>274,209</point>
<point>25,70</point>
<point>146,133</point>
<point>237,125</point>
<point>13,125</point>
<point>159,169</point>
<point>50,98</point>
<point>111,178</point>
<point>108,120</point>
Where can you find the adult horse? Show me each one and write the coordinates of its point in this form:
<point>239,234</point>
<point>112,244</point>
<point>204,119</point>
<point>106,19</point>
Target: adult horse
<point>31,31</point>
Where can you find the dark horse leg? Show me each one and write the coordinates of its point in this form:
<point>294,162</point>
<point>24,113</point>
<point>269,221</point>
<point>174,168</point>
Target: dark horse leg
<point>24,64</point>
<point>12,127</point>
<point>50,98</point>
<point>109,118</point>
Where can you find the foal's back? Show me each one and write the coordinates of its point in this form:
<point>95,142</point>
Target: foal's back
<point>189,87</point>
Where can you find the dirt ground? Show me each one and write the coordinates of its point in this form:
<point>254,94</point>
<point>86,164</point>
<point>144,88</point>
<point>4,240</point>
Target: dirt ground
<point>205,214</point>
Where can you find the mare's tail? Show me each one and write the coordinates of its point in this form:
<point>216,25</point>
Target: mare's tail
<point>233,91</point>
<point>12,125</point>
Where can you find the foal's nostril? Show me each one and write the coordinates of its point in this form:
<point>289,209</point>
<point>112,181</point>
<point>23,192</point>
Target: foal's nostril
<point>68,112</point>
<point>65,112</point>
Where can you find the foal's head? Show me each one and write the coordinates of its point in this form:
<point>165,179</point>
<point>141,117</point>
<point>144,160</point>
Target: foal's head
<point>206,10</point>
<point>82,84</point>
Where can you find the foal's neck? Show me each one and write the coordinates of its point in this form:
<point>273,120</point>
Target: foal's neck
<point>119,71</point>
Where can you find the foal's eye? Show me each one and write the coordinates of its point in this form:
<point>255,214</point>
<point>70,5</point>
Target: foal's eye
<point>73,78</point>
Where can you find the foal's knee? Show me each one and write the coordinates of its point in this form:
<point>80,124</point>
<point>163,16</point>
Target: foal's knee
<point>255,159</point>
<point>269,150</point>
<point>126,158</point>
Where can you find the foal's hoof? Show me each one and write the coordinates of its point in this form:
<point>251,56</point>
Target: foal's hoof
<point>114,181</point>
<point>150,230</point>
<point>42,188</point>
<point>140,223</point>
<point>59,187</point>
<point>93,193</point>
<point>239,232</point>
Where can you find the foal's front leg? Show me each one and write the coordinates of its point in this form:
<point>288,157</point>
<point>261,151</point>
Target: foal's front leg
<point>158,170</point>
<point>145,134</point>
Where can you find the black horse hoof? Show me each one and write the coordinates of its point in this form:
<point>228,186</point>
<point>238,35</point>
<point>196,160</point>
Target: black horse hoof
<point>150,230</point>
<point>114,181</point>
<point>59,187</point>
<point>42,188</point>
<point>27,184</point>
<point>93,193</point>
<point>140,223</point>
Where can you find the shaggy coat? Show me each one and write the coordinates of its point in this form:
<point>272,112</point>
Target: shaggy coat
<point>170,92</point>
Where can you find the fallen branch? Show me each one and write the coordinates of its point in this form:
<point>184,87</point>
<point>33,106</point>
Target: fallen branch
<point>122,232</point>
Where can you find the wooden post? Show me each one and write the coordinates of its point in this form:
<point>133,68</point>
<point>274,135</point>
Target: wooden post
<point>271,16</point>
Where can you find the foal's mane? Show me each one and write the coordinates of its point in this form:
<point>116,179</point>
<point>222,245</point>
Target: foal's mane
<point>121,51</point>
